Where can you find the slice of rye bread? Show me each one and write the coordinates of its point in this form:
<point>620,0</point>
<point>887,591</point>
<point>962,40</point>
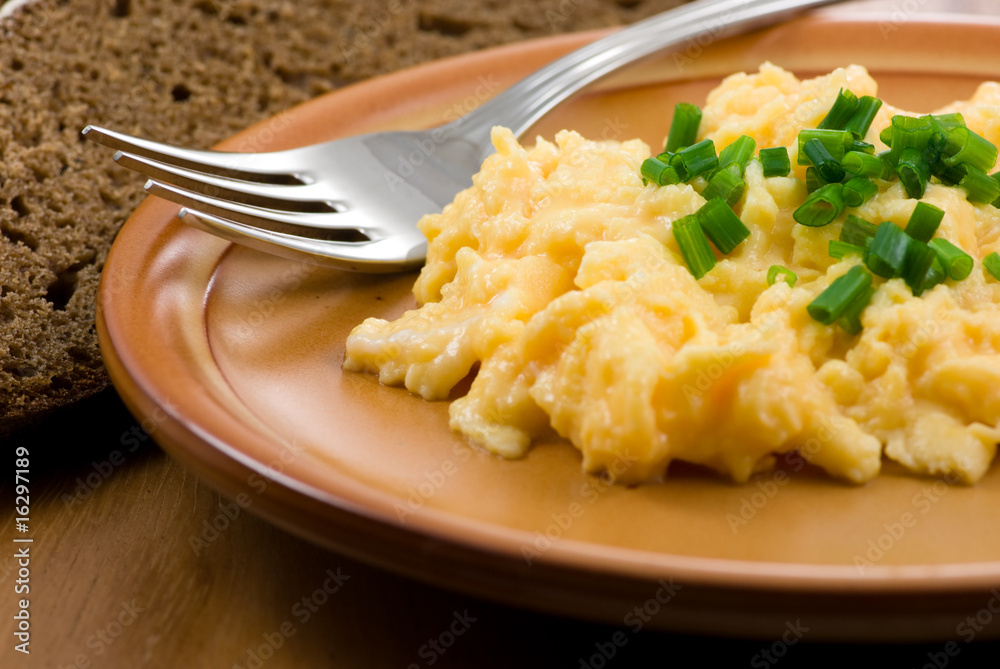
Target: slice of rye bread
<point>187,72</point>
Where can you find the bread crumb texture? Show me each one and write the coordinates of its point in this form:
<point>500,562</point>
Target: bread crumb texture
<point>190,72</point>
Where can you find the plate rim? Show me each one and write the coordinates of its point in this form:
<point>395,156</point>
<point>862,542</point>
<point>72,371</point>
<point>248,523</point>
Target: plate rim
<point>139,393</point>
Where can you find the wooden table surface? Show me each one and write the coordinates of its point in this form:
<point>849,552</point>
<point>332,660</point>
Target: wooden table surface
<point>136,563</point>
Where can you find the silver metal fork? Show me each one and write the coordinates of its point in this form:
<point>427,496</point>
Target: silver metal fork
<point>348,204</point>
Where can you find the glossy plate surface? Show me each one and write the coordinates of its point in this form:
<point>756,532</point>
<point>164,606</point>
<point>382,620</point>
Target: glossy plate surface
<point>233,359</point>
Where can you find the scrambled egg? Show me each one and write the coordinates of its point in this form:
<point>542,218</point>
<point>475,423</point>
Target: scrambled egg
<point>557,274</point>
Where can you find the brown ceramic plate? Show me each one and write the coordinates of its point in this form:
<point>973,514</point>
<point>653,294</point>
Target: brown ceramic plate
<point>232,358</point>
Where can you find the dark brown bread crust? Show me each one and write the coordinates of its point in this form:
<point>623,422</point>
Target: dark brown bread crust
<point>189,72</point>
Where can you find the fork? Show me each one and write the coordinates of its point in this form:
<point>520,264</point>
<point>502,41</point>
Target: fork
<point>351,203</point>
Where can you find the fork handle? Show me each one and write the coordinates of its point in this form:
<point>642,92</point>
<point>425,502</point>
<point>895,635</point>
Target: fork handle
<point>524,103</point>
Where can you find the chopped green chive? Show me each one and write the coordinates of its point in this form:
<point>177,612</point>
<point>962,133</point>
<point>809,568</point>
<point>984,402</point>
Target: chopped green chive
<point>858,190</point>
<point>980,188</point>
<point>738,153</point>
<point>818,155</point>
<point>909,132</point>
<point>841,169</point>
<point>694,246</point>
<point>858,146</point>
<point>658,172</point>
<point>821,207</point>
<point>841,111</point>
<point>782,273</point>
<point>861,120</point>
<point>935,275</point>
<point>957,263</point>
<point>942,123</point>
<point>964,147</point>
<point>684,127</point>
<point>839,249</point>
<point>949,176</point>
<point>677,163</point>
<point>888,162</point>
<point>722,225</point>
<point>698,158</point>
<point>838,296</point>
<point>726,185</point>
<point>775,162</point>
<point>885,135</point>
<point>916,265</point>
<point>863,165</point>
<point>814,180</point>
<point>850,320</point>
<point>924,221</point>
<point>932,154</point>
<point>835,141</point>
<point>991,264</point>
<point>670,176</point>
<point>913,172</point>
<point>857,231</point>
<point>888,250</point>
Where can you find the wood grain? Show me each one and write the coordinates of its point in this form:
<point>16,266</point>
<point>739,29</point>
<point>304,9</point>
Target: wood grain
<point>120,580</point>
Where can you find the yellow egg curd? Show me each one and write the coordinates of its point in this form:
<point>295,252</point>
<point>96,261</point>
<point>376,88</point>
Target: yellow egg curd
<point>557,274</point>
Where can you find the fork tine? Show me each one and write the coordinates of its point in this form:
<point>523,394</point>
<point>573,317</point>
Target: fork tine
<point>400,253</point>
<point>301,198</point>
<point>248,166</point>
<point>328,226</point>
